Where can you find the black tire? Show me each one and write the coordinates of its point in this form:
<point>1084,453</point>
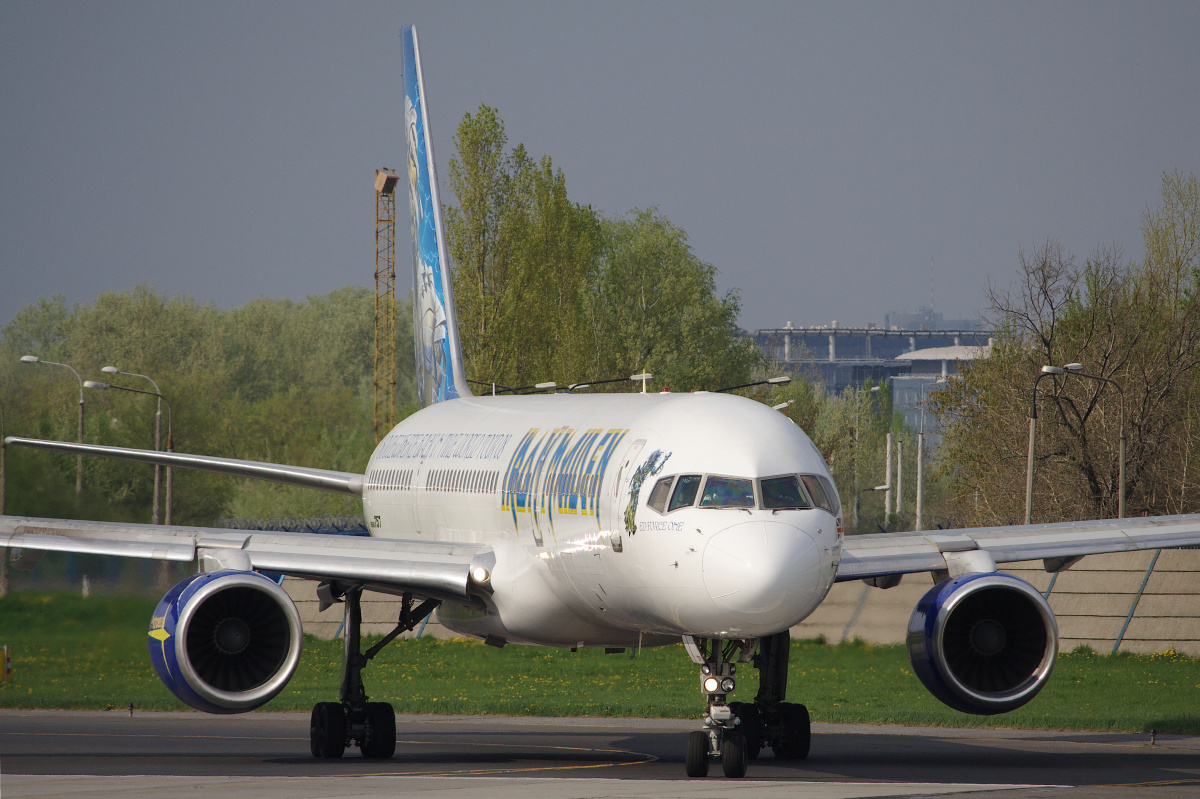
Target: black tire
<point>696,758</point>
<point>797,734</point>
<point>751,726</point>
<point>327,730</point>
<point>733,754</point>
<point>379,741</point>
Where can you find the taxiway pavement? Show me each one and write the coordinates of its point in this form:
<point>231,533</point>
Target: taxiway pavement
<point>265,755</point>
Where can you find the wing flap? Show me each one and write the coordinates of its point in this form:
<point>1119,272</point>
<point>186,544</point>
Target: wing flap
<point>427,568</point>
<point>905,553</point>
<point>158,550</point>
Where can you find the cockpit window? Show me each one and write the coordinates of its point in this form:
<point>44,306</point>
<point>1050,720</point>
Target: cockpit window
<point>658,497</point>
<point>685,491</point>
<point>817,492</point>
<point>783,492</point>
<point>728,492</point>
<point>831,492</point>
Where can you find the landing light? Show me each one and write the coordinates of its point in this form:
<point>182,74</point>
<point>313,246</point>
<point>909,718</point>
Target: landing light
<point>480,574</point>
<point>727,685</point>
<point>711,685</point>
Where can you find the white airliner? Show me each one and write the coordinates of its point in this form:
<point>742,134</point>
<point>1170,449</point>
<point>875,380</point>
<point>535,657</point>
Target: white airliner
<point>614,520</point>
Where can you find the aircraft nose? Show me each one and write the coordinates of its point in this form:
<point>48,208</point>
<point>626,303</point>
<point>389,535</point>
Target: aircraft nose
<point>766,574</point>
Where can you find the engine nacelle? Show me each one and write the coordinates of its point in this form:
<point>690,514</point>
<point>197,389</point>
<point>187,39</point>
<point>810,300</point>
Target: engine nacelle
<point>983,643</point>
<point>226,641</point>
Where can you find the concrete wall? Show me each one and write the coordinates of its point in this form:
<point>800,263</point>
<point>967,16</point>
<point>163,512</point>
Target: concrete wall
<point>1091,600</point>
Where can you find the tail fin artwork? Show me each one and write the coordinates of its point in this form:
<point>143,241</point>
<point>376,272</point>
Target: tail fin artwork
<point>439,364</point>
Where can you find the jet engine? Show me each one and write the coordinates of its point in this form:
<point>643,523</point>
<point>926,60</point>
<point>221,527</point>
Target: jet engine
<point>225,641</point>
<point>983,643</point>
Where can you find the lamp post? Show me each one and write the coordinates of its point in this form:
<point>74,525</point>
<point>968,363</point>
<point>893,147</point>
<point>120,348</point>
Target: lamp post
<point>3,447</point>
<point>1046,370</point>
<point>112,370</point>
<point>770,381</point>
<point>170,440</point>
<point>921,456</point>
<point>857,416</point>
<point>1073,369</point>
<point>79,437</point>
<point>1077,370</point>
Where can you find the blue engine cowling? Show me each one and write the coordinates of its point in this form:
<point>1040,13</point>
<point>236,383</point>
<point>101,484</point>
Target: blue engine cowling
<point>226,641</point>
<point>983,643</point>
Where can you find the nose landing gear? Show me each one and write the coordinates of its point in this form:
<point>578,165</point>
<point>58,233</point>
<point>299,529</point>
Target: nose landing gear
<point>721,739</point>
<point>736,732</point>
<point>369,725</point>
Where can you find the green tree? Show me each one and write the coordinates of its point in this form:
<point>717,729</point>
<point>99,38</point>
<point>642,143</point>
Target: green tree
<point>546,289</point>
<point>657,310</point>
<point>524,258</point>
<point>1137,324</point>
<point>271,380</point>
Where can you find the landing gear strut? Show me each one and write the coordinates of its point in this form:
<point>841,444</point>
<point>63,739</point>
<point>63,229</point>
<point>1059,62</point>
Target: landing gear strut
<point>784,726</point>
<point>736,732</point>
<point>369,725</point>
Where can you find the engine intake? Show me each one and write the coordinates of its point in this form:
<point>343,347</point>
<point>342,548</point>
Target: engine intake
<point>226,641</point>
<point>983,643</point>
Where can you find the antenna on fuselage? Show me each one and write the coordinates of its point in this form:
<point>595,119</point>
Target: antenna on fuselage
<point>644,377</point>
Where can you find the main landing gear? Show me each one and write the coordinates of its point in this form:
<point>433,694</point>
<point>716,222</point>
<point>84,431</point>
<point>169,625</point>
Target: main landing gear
<point>369,725</point>
<point>736,732</point>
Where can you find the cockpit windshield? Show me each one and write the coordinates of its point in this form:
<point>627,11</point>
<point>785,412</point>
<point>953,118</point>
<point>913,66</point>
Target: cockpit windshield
<point>728,492</point>
<point>685,491</point>
<point>817,492</point>
<point>658,497</point>
<point>783,492</point>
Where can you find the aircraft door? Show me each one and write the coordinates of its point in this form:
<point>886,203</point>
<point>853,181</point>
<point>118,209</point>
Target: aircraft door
<point>615,505</point>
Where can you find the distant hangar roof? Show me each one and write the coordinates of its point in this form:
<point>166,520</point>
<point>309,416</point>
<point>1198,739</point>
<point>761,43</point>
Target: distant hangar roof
<point>960,352</point>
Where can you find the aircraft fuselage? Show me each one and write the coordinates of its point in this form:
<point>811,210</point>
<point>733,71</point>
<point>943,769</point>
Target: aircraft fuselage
<point>560,487</point>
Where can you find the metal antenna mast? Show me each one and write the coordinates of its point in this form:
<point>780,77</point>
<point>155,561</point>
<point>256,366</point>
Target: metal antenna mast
<point>385,302</point>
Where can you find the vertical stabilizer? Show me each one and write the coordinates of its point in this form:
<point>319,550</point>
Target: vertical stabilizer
<point>439,365</point>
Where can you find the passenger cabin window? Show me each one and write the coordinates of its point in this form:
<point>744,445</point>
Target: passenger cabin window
<point>779,493</point>
<point>817,492</point>
<point>685,491</point>
<point>658,497</point>
<point>728,492</point>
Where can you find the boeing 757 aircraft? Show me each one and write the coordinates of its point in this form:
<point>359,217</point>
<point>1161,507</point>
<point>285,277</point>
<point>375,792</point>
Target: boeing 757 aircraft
<point>613,520</point>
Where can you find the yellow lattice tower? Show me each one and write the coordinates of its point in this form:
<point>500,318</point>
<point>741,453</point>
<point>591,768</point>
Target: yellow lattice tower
<point>385,302</point>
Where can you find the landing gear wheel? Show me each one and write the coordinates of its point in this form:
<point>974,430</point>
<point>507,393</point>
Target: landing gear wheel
<point>733,754</point>
<point>797,736</point>
<point>379,740</point>
<point>696,758</point>
<point>327,730</point>
<point>750,726</point>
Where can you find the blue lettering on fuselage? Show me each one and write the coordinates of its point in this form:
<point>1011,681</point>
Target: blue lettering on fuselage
<point>557,473</point>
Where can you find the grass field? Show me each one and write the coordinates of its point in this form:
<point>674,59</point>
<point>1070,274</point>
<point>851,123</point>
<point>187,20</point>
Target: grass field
<point>71,652</point>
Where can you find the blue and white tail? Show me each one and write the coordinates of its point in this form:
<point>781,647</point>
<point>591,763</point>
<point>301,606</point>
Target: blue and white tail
<point>439,363</point>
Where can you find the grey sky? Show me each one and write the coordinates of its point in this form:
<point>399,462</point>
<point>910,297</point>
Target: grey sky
<point>818,154</point>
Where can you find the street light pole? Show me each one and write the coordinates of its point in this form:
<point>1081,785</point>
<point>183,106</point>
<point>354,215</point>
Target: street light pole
<point>1046,370</point>
<point>170,439</point>
<point>112,370</point>
<point>921,456</point>
<point>79,437</point>
<point>3,447</point>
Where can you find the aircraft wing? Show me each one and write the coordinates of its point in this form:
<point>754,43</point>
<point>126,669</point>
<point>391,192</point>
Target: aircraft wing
<point>437,570</point>
<point>323,479</point>
<point>1059,545</point>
